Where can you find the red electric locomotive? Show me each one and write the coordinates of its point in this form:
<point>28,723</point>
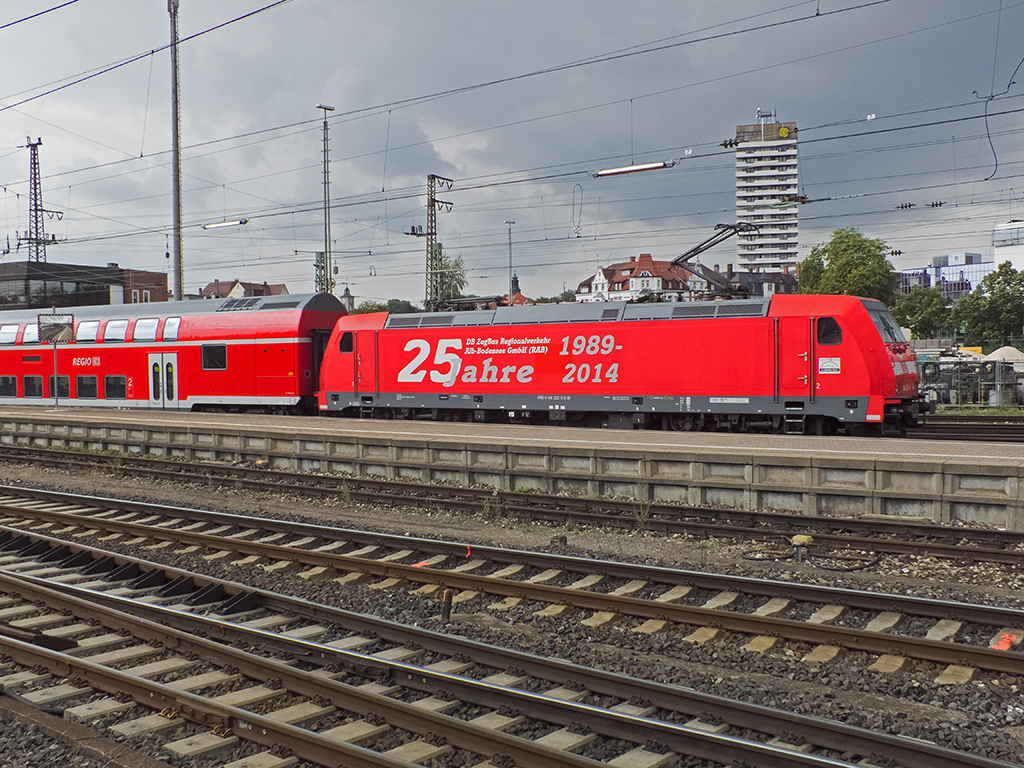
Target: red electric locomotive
<point>791,363</point>
<point>260,353</point>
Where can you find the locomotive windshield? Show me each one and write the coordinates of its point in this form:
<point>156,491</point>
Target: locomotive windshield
<point>884,322</point>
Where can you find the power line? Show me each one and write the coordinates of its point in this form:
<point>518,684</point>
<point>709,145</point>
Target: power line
<point>138,57</point>
<point>37,15</point>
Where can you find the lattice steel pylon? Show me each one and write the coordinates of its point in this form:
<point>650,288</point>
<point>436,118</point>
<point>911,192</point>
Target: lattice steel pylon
<point>36,238</point>
<point>433,280</point>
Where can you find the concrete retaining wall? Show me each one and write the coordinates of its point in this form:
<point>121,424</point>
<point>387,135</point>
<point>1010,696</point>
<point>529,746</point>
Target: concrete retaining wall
<point>940,491</point>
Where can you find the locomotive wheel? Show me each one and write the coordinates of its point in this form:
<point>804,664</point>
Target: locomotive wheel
<point>866,430</point>
<point>680,422</point>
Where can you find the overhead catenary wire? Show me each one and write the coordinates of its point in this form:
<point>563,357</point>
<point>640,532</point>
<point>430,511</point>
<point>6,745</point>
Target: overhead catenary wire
<point>533,178</point>
<point>37,15</point>
<point>138,57</point>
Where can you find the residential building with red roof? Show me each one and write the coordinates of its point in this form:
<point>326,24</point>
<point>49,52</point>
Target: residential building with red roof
<point>643,276</point>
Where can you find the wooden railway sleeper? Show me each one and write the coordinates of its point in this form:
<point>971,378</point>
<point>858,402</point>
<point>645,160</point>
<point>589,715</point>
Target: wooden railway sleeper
<point>990,554</point>
<point>1010,663</point>
<point>189,708</point>
<point>568,685</point>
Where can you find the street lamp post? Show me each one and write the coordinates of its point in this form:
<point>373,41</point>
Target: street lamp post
<point>510,223</point>
<point>328,277</point>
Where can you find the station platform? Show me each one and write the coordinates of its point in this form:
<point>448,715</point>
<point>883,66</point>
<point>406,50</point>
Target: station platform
<point>937,481</point>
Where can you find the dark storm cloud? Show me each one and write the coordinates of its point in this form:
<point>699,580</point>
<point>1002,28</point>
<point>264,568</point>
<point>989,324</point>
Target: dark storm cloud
<point>243,84</point>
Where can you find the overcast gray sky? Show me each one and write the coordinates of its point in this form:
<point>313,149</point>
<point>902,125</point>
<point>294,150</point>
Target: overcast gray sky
<point>517,103</point>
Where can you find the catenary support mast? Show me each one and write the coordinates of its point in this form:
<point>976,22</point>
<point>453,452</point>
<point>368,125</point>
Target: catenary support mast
<point>36,232</point>
<point>172,7</point>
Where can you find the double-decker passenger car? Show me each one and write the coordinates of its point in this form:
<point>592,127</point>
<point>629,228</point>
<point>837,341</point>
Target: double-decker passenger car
<point>260,353</point>
<point>791,363</point>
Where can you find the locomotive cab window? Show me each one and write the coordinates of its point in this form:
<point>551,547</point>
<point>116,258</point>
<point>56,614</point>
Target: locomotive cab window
<point>171,328</point>
<point>145,329</point>
<point>87,330</point>
<point>8,386</point>
<point>32,386</point>
<point>115,387</point>
<point>86,387</point>
<point>346,342</point>
<point>215,357</point>
<point>829,332</point>
<point>885,323</point>
<point>63,387</point>
<point>8,333</point>
<point>116,330</point>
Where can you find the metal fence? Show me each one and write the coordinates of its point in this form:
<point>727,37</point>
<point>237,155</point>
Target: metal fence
<point>970,382</point>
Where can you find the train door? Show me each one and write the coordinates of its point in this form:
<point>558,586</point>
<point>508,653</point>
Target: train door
<point>366,362</point>
<point>318,338</point>
<point>793,357</point>
<point>163,380</point>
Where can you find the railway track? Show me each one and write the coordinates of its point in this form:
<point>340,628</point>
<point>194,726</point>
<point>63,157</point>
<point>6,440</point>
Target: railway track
<point>143,649</point>
<point>832,537</point>
<point>974,427</point>
<point>890,629</point>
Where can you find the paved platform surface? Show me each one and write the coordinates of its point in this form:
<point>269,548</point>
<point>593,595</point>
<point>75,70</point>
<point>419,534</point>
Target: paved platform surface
<point>569,437</point>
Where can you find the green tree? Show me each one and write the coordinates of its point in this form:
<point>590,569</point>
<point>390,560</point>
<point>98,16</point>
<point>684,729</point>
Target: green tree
<point>394,306</point>
<point>994,310</point>
<point>367,307</point>
<point>811,270</point>
<point>451,275</point>
<point>852,264</point>
<point>564,296</point>
<point>925,311</point>
<point>401,307</point>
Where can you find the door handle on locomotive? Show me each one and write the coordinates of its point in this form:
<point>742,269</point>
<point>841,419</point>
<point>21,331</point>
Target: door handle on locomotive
<point>802,378</point>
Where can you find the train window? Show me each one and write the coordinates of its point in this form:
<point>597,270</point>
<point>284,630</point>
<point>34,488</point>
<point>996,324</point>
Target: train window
<point>86,386</point>
<point>884,322</point>
<point>116,330</point>
<point>215,357</point>
<point>155,388</point>
<point>63,386</point>
<point>171,328</point>
<point>32,386</point>
<point>8,386</point>
<point>145,329</point>
<point>829,332</point>
<point>169,388</point>
<point>346,341</point>
<point>87,330</point>
<point>31,334</point>
<point>115,387</point>
<point>8,333</point>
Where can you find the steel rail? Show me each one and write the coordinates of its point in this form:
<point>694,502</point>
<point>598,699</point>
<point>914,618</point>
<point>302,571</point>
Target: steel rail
<point>686,740</point>
<point>928,607</point>
<point>925,539</point>
<point>682,739</point>
<point>265,731</point>
<point>820,634</point>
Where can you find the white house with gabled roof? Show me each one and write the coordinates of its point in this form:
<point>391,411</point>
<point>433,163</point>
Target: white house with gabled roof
<point>640,277</point>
